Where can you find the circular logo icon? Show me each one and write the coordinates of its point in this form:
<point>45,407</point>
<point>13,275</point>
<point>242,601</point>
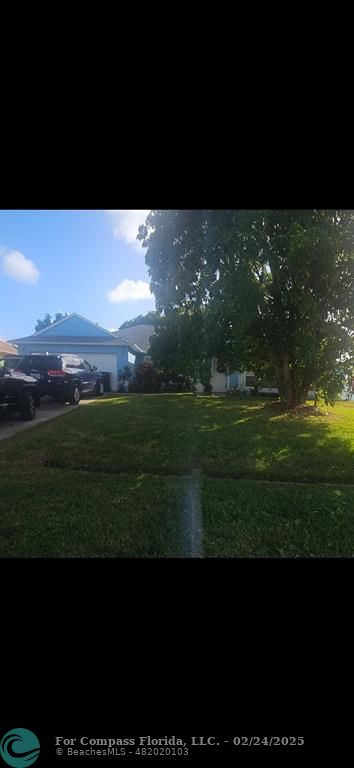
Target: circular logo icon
<point>19,748</point>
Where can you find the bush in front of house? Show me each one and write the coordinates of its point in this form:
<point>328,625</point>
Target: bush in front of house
<point>149,379</point>
<point>124,378</point>
<point>146,379</point>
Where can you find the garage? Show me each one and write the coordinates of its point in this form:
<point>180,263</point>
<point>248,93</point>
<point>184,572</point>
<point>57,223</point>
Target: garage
<point>105,363</point>
<point>78,336</point>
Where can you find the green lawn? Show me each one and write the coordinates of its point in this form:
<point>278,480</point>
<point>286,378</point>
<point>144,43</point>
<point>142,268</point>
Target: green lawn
<point>180,476</point>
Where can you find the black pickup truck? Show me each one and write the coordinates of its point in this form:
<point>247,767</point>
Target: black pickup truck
<point>19,393</point>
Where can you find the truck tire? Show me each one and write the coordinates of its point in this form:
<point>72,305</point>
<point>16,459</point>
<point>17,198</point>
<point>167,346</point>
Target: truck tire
<point>28,407</point>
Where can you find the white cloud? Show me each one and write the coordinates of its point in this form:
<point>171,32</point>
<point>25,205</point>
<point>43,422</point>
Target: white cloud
<point>17,267</point>
<point>129,290</point>
<point>126,225</point>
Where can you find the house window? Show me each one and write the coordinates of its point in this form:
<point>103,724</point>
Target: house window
<point>251,381</point>
<point>131,358</point>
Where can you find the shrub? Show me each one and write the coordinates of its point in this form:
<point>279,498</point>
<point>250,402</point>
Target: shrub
<point>150,379</point>
<point>146,379</point>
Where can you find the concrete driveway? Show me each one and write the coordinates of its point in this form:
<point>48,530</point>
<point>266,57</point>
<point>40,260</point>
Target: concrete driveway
<point>11,424</point>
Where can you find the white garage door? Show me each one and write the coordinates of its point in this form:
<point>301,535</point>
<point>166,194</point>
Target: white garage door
<point>105,363</point>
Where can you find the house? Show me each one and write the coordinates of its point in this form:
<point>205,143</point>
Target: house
<point>110,352</point>
<point>139,335</point>
<point>7,349</point>
<point>223,381</point>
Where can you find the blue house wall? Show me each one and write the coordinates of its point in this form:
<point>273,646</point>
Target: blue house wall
<point>74,326</point>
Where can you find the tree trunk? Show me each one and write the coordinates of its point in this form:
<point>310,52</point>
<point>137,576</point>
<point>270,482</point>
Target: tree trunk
<point>302,397</point>
<point>289,390</point>
<point>278,372</point>
<point>290,393</point>
<point>295,397</point>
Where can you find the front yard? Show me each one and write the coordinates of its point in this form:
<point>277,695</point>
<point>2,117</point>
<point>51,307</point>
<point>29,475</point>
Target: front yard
<point>180,476</point>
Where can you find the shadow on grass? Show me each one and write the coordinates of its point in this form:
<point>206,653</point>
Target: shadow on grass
<point>249,440</point>
<point>176,434</point>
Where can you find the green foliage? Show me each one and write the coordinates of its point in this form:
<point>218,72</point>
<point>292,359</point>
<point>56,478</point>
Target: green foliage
<point>149,319</point>
<point>271,291</point>
<point>149,378</point>
<point>124,378</point>
<point>41,324</point>
<point>47,321</point>
<point>181,343</point>
<point>146,379</point>
<point>173,381</point>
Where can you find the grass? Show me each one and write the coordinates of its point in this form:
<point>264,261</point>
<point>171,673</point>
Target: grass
<point>139,476</point>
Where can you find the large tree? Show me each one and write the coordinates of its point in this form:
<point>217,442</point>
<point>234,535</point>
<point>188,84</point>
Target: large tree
<point>275,289</point>
<point>182,344</point>
<point>151,318</point>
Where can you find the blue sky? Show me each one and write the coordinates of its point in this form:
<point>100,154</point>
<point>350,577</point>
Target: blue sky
<point>87,262</point>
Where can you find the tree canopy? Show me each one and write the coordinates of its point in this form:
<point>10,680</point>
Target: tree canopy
<point>151,318</point>
<point>47,320</point>
<point>268,291</point>
<point>182,343</point>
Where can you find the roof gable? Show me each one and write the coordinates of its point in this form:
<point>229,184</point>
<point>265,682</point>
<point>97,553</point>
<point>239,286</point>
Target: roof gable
<point>73,325</point>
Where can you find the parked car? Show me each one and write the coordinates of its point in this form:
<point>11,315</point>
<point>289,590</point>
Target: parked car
<point>272,391</point>
<point>19,393</point>
<point>249,391</point>
<point>64,377</point>
<point>10,361</point>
